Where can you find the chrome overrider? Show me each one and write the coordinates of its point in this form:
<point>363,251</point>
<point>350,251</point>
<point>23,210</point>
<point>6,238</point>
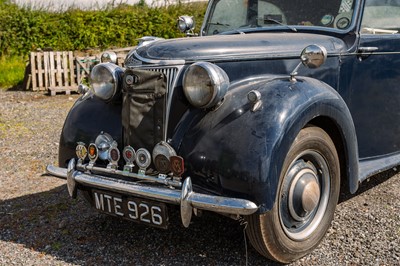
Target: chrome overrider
<point>185,196</point>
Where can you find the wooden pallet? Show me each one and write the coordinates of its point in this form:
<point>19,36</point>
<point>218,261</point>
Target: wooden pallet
<point>54,71</point>
<point>61,71</point>
<point>83,66</point>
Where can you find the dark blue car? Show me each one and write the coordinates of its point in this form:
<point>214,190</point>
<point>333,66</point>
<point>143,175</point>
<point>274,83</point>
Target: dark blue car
<point>265,116</point>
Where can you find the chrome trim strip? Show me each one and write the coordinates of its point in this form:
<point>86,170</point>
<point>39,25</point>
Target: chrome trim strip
<point>169,62</point>
<point>186,197</point>
<point>169,100</point>
<point>369,166</point>
<point>206,17</point>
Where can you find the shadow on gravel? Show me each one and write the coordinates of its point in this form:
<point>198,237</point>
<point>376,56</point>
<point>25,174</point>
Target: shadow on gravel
<point>368,184</point>
<point>52,223</point>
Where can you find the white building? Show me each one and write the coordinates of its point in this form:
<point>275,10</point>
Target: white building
<point>59,5</point>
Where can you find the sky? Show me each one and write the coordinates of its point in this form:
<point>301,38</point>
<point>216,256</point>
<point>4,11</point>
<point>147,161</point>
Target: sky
<point>85,4</point>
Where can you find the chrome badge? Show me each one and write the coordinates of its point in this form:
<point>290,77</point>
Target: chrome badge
<point>132,79</point>
<point>93,153</point>
<point>81,151</point>
<point>162,164</point>
<point>143,160</point>
<point>129,155</point>
<point>113,156</point>
<point>177,165</point>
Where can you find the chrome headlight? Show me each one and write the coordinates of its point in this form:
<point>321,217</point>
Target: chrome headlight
<point>185,23</point>
<point>205,84</point>
<point>104,80</point>
<point>109,57</point>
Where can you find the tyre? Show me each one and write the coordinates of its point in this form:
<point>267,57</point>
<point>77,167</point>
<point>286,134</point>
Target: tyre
<point>306,199</point>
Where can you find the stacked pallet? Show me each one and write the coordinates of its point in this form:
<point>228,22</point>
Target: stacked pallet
<point>62,71</point>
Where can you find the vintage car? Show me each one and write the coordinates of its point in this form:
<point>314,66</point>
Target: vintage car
<point>265,116</point>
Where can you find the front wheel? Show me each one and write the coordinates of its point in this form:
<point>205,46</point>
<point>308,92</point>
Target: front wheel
<point>307,195</point>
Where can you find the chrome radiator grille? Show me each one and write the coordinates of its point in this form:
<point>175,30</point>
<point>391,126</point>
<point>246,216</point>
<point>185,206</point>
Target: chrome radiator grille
<point>170,73</point>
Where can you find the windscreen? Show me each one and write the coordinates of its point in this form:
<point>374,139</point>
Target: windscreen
<point>238,15</point>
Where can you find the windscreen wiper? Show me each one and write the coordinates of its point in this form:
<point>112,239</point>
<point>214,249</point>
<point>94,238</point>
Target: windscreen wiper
<point>218,24</point>
<point>268,19</point>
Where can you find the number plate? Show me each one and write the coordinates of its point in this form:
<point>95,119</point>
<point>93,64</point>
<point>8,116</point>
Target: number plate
<point>134,209</point>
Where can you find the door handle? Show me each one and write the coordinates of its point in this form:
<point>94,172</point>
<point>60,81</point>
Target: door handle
<point>367,49</point>
<point>365,52</point>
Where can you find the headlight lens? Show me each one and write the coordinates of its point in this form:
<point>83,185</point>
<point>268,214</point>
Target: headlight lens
<point>104,80</point>
<point>205,84</point>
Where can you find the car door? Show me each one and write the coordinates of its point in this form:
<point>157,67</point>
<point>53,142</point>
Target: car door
<point>374,80</point>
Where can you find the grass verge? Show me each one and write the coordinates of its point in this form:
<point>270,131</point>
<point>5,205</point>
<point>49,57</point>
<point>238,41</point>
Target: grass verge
<point>12,70</point>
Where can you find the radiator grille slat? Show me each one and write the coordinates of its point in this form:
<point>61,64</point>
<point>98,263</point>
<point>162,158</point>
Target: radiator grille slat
<point>170,73</point>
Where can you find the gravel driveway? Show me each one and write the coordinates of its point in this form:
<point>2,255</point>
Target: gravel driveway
<point>40,225</point>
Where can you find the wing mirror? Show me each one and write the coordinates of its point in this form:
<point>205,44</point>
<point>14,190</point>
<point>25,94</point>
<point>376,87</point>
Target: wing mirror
<point>313,56</point>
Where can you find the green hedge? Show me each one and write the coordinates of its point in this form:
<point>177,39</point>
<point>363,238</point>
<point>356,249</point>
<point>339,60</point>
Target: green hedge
<point>23,30</point>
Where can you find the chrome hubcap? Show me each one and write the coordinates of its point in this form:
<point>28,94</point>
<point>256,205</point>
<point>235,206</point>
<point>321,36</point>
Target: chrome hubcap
<point>310,196</point>
<point>304,195</point>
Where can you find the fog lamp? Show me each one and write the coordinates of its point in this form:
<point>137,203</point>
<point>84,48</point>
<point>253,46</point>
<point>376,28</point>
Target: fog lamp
<point>104,142</point>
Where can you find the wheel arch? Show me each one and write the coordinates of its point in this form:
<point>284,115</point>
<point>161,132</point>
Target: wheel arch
<point>316,103</point>
<point>340,129</point>
<point>253,144</point>
<point>87,118</point>
<point>334,131</point>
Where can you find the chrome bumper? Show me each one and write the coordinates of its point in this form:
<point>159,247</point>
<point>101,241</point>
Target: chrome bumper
<point>186,198</point>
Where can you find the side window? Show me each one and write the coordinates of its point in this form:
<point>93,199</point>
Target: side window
<point>381,17</point>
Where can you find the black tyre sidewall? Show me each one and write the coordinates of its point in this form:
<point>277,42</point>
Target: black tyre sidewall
<point>277,245</point>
